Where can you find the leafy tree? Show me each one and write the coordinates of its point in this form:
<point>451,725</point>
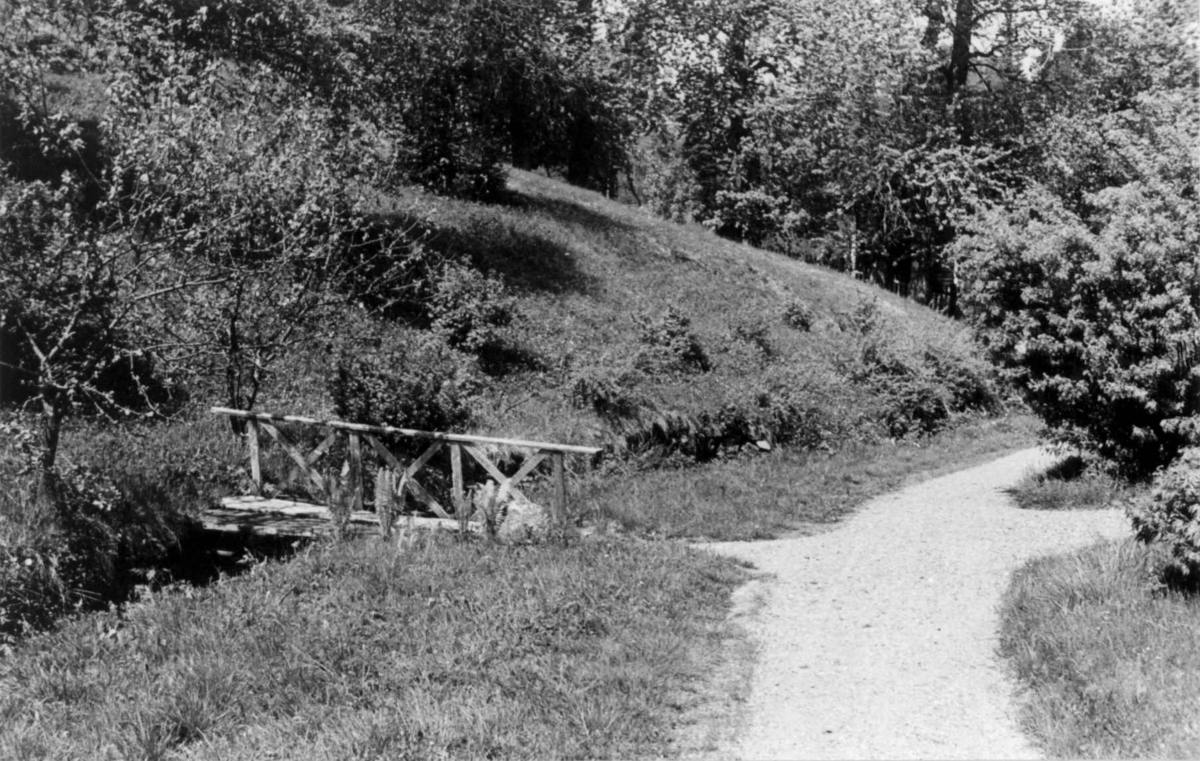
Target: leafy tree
<point>1087,288</point>
<point>200,256</point>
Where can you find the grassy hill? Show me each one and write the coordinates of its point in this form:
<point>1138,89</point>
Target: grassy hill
<point>637,332</point>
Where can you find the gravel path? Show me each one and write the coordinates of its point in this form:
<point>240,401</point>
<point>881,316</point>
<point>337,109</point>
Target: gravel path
<point>878,639</point>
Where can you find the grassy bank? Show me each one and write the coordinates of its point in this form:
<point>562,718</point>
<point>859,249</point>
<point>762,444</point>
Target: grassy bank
<point>1110,657</point>
<point>446,650</point>
<point>765,496</point>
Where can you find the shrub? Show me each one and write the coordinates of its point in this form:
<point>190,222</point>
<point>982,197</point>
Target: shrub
<point>468,308</point>
<point>669,345</point>
<point>754,332</point>
<point>1095,320</point>
<point>864,319</point>
<point>798,315</point>
<point>610,393</point>
<point>418,384</point>
<point>968,380</point>
<point>122,507</point>
<point>1171,514</point>
<point>751,216</point>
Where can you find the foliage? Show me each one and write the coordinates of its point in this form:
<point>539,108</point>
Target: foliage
<point>1085,286</point>
<point>125,501</point>
<point>1171,513</point>
<point>799,315</point>
<point>913,390</point>
<point>669,344</point>
<point>464,86</point>
<point>609,392</point>
<point>421,384</point>
<point>469,308</point>
<point>184,259</point>
<point>1098,327</point>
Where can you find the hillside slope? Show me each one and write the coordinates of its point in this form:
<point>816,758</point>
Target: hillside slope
<point>634,330</point>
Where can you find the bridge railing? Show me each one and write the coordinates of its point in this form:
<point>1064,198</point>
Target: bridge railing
<point>364,440</point>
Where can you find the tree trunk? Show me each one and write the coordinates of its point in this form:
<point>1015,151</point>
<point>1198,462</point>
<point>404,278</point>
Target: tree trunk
<point>959,69</point>
<point>53,412</point>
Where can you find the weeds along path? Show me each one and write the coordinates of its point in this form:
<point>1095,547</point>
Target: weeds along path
<point>878,639</point>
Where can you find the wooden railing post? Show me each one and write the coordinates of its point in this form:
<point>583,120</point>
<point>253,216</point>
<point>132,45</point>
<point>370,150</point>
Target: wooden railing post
<point>356,470</point>
<point>255,465</point>
<point>560,496</point>
<point>457,495</point>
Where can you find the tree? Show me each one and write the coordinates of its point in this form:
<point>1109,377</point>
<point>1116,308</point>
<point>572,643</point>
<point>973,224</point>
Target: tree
<point>1087,288</point>
<point>199,255</point>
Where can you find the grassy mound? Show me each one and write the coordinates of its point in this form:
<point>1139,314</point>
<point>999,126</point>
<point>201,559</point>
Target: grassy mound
<point>634,332</point>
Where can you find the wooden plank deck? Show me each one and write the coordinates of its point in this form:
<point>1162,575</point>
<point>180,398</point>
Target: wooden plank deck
<point>284,518</point>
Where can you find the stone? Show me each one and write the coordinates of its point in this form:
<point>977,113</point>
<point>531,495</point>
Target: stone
<point>524,523</point>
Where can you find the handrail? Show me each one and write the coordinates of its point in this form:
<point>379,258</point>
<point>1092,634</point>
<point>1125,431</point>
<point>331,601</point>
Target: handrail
<point>456,438</point>
<point>361,440</point>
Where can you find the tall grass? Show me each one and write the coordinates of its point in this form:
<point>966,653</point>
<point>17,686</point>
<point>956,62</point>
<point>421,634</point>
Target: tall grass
<point>1110,657</point>
<point>448,649</point>
<point>125,503</point>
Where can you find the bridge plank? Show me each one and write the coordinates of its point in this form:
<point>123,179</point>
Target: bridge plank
<point>289,518</point>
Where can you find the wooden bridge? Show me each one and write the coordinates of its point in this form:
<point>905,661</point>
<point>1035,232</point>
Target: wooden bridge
<point>265,514</point>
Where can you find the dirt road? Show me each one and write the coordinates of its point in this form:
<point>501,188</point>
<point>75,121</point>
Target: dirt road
<point>878,639</point>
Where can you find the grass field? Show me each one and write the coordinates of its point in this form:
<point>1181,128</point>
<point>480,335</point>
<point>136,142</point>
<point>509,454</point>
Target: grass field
<point>444,650</point>
<point>1109,656</point>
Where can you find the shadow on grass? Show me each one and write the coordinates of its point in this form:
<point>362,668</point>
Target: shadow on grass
<point>500,359</point>
<point>564,211</point>
<point>508,246</point>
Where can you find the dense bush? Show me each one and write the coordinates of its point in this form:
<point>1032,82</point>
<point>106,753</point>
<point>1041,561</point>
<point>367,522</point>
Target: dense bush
<point>751,216</point>
<point>1171,514</point>
<point>1097,321</point>
<point>469,308</point>
<point>124,500</point>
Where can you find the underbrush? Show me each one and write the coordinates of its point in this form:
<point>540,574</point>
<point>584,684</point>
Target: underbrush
<point>126,500</point>
<point>764,496</point>
<point>1071,483</point>
<point>449,649</point>
<point>1110,656</point>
